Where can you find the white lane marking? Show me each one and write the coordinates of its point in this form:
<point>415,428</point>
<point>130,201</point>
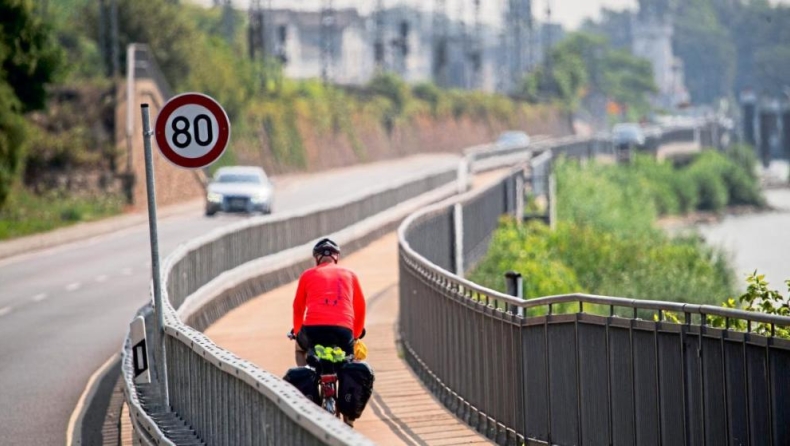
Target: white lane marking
<point>73,286</point>
<point>101,278</point>
<point>39,297</point>
<point>4,311</point>
<point>126,271</point>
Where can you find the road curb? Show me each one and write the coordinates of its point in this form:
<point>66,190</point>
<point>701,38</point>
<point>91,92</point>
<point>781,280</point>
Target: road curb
<point>88,399</point>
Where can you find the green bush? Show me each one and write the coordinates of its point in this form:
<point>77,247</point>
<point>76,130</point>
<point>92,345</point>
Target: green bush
<point>525,249</point>
<point>579,258</point>
<point>606,198</point>
<point>711,189</point>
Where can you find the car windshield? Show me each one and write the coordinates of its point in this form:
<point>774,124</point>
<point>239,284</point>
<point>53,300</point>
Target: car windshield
<point>238,178</point>
<point>513,137</point>
<point>627,131</point>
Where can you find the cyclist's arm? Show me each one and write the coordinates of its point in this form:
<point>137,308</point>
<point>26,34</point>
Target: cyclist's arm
<point>300,302</point>
<point>359,309</point>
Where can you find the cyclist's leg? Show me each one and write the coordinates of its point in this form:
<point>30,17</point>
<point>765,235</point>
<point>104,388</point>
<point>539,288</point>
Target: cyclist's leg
<point>302,345</point>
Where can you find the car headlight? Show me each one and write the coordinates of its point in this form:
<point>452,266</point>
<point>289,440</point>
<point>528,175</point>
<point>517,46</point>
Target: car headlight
<point>260,197</point>
<point>214,197</point>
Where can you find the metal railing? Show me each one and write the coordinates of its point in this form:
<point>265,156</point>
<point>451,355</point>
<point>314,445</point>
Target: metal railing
<point>216,397</point>
<point>580,369</point>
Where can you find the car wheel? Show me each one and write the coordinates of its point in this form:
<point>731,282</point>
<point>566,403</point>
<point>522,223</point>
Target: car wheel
<point>210,213</point>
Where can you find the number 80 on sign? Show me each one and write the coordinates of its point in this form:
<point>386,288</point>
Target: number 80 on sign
<point>192,130</point>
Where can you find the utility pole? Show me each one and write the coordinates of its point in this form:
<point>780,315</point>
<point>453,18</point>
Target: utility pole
<point>547,51</point>
<point>105,57</point>
<point>476,50</point>
<point>114,48</point>
<point>440,43</point>
<point>327,40</point>
<point>228,20</point>
<point>378,43</point>
<point>255,29</point>
<point>463,42</point>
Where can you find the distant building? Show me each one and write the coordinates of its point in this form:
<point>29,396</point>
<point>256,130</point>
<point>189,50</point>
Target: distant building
<point>652,32</point>
<point>309,43</point>
<point>344,44</point>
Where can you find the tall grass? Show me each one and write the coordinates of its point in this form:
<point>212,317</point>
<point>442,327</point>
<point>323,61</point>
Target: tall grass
<point>28,213</point>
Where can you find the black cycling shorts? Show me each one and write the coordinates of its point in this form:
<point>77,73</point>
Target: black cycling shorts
<point>326,335</point>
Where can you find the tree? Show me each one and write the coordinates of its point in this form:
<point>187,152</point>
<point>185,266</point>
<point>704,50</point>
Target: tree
<point>12,139</point>
<point>707,51</point>
<point>772,68</point>
<point>29,60</point>
<point>584,64</point>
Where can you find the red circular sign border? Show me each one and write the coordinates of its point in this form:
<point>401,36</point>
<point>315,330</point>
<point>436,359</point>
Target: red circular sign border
<point>214,108</point>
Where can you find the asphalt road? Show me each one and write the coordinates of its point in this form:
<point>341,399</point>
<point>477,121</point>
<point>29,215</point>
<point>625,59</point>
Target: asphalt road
<point>64,311</point>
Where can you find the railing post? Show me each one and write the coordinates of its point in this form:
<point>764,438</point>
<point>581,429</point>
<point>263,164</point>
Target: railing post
<point>458,245</point>
<point>519,198</point>
<point>552,201</point>
<point>515,287</point>
<point>463,174</point>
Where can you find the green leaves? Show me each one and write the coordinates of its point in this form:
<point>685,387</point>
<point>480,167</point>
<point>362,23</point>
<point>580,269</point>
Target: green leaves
<point>584,63</point>
<point>29,57</point>
<point>29,60</point>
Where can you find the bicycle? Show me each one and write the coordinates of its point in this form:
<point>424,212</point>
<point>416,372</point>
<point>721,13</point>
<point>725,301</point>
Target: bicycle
<point>327,370</point>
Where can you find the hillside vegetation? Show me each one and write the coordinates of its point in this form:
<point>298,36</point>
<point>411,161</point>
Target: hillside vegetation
<point>57,106</point>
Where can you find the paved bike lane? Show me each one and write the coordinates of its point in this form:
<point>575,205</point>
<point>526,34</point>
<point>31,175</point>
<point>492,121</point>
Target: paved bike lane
<point>401,411</point>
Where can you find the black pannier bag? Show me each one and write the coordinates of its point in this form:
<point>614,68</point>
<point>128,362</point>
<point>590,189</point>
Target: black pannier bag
<point>356,386</point>
<point>306,380</point>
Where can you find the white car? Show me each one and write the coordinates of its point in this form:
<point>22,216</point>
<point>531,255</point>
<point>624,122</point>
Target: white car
<point>239,189</point>
<point>513,139</point>
<point>628,135</point>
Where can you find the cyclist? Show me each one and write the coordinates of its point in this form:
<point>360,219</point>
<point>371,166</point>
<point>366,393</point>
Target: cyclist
<point>329,306</point>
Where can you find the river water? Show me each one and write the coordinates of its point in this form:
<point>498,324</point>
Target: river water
<point>757,241</point>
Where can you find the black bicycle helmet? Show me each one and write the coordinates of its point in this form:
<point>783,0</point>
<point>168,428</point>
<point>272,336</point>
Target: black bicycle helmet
<point>326,247</point>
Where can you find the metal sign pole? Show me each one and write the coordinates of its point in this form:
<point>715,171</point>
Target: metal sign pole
<point>155,269</point>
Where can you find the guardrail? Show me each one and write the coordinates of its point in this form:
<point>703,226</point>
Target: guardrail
<point>216,397</point>
<point>572,369</point>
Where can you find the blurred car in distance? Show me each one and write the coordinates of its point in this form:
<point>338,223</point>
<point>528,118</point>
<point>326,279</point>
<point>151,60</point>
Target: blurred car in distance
<point>628,135</point>
<point>239,189</point>
<point>513,138</point>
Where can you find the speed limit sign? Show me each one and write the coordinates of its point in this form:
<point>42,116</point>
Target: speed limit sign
<point>192,130</point>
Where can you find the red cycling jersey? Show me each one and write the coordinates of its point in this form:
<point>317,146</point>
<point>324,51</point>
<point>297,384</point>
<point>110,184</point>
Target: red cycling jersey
<point>329,294</point>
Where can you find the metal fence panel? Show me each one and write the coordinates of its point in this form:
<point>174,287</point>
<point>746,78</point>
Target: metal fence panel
<point>671,386</point>
<point>536,380</point>
<point>780,393</point>
<point>594,383</point>
<point>758,397</point>
<point>622,369</point>
<point>735,371</point>
<point>435,237</point>
<point>645,388</point>
<point>714,404</point>
<point>562,388</point>
<point>480,218</point>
